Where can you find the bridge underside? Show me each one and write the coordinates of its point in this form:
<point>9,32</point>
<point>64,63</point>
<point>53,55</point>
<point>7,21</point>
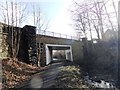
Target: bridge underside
<point>51,47</point>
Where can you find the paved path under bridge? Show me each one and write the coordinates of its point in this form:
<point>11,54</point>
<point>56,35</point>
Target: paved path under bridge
<point>45,78</point>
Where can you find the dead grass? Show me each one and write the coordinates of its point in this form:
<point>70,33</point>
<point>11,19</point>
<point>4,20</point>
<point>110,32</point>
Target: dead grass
<point>70,77</point>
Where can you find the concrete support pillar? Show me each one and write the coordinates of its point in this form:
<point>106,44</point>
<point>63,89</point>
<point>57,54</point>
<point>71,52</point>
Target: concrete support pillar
<point>69,54</point>
<point>48,55</point>
<point>50,51</point>
<point>27,49</point>
<point>85,48</point>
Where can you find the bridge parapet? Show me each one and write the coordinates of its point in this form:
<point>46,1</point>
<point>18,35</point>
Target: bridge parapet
<point>59,35</point>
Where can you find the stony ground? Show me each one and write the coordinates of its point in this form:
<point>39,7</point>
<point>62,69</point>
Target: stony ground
<point>16,72</point>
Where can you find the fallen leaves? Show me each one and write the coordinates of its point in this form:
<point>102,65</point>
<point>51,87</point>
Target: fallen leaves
<point>15,72</point>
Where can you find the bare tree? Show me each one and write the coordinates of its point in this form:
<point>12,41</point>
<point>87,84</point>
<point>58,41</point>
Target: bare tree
<point>96,29</point>
<point>80,20</point>
<point>81,26</point>
<point>13,14</point>
<point>95,16</point>
<point>113,3</point>
<point>38,19</point>
<point>108,16</point>
<point>89,25</point>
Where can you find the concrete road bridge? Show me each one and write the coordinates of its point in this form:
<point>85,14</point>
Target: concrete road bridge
<point>45,43</point>
<point>38,48</point>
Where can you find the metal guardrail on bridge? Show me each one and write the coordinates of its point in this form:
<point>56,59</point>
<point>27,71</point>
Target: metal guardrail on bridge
<point>54,34</point>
